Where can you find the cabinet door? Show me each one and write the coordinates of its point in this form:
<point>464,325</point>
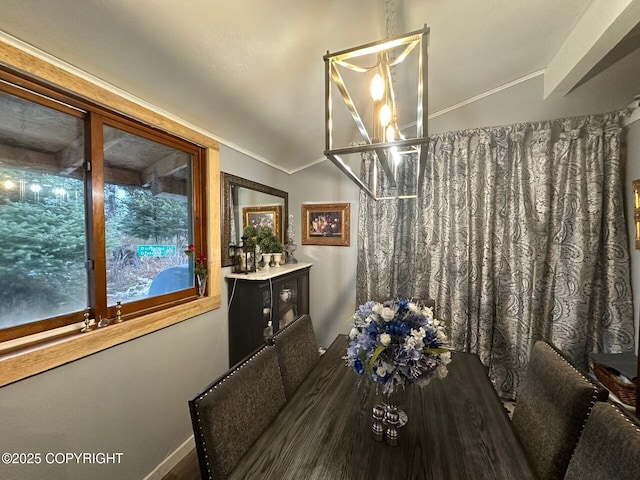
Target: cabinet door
<point>291,299</point>
<point>248,316</point>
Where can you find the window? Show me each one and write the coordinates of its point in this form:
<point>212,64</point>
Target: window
<point>95,208</point>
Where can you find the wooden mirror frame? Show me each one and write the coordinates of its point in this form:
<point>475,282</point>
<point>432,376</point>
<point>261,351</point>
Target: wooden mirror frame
<point>226,182</point>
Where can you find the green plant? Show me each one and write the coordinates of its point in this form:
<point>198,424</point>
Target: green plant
<point>268,242</point>
<point>267,245</point>
<point>278,247</point>
<point>251,234</point>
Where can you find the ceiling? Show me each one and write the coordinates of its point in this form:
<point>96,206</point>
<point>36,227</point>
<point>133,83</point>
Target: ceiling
<point>251,73</point>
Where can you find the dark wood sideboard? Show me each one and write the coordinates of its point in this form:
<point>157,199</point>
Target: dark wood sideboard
<point>277,294</point>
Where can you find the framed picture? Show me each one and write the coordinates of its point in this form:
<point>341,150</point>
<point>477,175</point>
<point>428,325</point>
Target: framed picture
<point>326,224</point>
<point>263,216</point>
<point>636,210</point>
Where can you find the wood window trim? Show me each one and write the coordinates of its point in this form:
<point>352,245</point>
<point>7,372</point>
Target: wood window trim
<point>35,358</point>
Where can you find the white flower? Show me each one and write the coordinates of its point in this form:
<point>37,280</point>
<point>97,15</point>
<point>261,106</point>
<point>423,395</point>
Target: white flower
<point>377,308</point>
<point>442,371</point>
<point>353,333</point>
<point>387,314</point>
<point>418,334</point>
<point>446,358</point>
<point>385,339</point>
<point>410,343</point>
<point>413,307</point>
<point>381,371</point>
<point>428,312</point>
<point>415,339</point>
<point>442,337</point>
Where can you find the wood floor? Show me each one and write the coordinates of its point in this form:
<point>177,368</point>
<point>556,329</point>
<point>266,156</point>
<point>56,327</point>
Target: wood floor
<point>187,469</point>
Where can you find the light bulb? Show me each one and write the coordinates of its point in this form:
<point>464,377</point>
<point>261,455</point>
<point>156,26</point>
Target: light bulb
<point>395,156</point>
<point>391,134</point>
<point>9,185</point>
<point>385,115</point>
<point>377,87</point>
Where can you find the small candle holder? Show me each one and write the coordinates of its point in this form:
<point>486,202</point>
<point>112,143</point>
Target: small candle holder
<point>391,433</point>
<point>377,427</point>
<point>118,311</point>
<point>87,321</point>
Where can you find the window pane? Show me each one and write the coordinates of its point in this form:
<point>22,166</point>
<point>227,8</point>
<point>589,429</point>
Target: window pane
<point>148,205</point>
<point>42,212</point>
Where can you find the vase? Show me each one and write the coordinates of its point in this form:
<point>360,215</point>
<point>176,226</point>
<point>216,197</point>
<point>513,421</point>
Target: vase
<point>266,258</point>
<point>285,294</point>
<point>391,403</point>
<point>202,284</point>
<point>277,258</point>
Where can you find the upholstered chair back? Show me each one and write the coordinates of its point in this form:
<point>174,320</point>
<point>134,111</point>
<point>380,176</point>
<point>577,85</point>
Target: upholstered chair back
<point>297,352</point>
<point>609,447</point>
<point>231,413</point>
<point>551,409</point>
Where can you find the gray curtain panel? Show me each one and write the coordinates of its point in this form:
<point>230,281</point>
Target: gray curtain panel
<point>519,235</point>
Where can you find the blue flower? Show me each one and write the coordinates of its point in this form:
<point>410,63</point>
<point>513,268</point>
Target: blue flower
<point>366,308</point>
<point>403,306</point>
<point>357,366</point>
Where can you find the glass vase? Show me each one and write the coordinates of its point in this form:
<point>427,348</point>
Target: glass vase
<point>202,284</point>
<point>391,402</point>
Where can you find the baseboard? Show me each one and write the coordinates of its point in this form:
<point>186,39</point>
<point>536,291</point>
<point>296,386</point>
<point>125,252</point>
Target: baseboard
<point>172,460</point>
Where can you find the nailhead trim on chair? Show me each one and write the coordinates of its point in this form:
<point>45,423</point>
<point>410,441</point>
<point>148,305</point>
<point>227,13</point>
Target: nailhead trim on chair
<point>627,419</point>
<point>594,397</point>
<point>219,382</point>
<point>595,440</point>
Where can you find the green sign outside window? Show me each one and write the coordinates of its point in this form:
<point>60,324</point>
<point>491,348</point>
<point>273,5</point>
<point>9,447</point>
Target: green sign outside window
<point>156,250</point>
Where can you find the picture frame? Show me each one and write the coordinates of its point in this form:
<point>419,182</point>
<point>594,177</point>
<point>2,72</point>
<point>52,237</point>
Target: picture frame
<point>636,211</point>
<point>326,224</point>
<point>263,216</point>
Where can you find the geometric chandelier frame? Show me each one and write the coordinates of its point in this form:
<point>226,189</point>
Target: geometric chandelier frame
<point>385,131</point>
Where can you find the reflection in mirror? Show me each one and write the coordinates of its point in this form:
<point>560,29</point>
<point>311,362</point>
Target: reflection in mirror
<point>240,196</point>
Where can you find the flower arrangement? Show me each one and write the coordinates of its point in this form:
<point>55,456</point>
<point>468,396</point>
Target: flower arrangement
<point>200,261</point>
<point>397,342</point>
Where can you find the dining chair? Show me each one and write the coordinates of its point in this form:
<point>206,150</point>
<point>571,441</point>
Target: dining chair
<point>609,447</point>
<point>232,412</point>
<point>297,352</point>
<point>551,409</point>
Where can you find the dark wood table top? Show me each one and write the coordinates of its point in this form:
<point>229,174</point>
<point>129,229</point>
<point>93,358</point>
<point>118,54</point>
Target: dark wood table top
<point>457,429</point>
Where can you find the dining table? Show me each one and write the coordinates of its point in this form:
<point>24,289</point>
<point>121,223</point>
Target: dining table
<point>457,428</point>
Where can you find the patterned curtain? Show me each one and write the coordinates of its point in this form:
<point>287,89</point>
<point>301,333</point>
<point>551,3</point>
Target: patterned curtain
<point>519,235</point>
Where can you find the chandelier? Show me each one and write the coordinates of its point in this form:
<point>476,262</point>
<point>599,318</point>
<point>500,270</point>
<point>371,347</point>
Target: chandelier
<point>380,85</point>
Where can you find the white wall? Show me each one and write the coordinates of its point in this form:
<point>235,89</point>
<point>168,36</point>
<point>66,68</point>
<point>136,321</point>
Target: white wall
<point>524,102</point>
<point>333,275</point>
<point>131,398</point>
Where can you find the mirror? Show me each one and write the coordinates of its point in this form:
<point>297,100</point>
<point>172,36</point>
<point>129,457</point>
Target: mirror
<point>244,198</point>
